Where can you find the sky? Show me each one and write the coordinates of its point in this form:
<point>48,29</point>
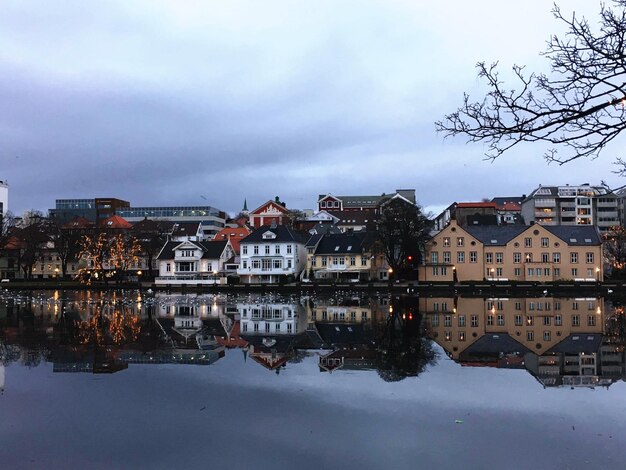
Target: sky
<point>210,103</point>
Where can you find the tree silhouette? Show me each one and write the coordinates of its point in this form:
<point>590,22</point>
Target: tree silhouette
<point>579,108</point>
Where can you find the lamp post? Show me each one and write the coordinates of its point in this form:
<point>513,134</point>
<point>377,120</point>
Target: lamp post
<point>597,274</point>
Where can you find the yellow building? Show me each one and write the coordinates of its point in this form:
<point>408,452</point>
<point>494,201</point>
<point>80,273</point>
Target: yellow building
<point>533,253</point>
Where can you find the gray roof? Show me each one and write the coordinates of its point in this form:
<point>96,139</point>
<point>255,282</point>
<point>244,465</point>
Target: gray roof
<point>577,343</point>
<point>345,243</point>
<point>500,235</point>
<point>494,344</point>
<point>210,250</point>
<point>282,232</point>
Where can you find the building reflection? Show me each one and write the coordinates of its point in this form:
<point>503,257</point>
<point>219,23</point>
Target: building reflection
<point>559,341</point>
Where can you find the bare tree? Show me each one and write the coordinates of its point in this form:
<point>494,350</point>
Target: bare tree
<point>615,249</point>
<point>578,108</point>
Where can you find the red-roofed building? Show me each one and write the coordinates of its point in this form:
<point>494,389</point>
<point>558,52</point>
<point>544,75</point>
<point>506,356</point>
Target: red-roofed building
<point>116,222</point>
<point>234,235</point>
<point>272,212</point>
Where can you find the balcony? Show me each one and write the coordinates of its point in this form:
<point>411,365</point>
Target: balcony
<point>545,213</point>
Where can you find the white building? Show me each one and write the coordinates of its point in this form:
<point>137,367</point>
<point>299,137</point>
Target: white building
<point>192,262</point>
<point>4,198</point>
<point>272,253</point>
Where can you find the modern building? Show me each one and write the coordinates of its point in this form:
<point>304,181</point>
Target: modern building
<point>4,198</point>
<point>95,210</point>
<point>514,253</point>
<point>572,205</point>
<point>212,219</point>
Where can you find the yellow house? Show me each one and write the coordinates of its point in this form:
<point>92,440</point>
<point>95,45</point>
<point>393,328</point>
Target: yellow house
<point>533,253</point>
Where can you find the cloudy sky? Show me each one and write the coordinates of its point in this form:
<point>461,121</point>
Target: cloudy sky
<point>210,102</point>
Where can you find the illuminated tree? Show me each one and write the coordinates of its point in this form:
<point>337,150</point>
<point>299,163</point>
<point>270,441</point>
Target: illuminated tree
<point>106,255</point>
<point>579,108</point>
<point>614,243</point>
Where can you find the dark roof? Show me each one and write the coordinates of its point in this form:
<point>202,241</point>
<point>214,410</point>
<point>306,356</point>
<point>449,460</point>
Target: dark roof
<point>321,228</point>
<point>182,229</point>
<point>501,201</point>
<point>494,344</point>
<point>282,232</point>
<point>480,219</point>
<point>355,242</point>
<point>495,235</point>
<point>353,217</point>
<point>578,343</point>
<point>211,250</point>
<point>576,235</point>
<point>342,333</point>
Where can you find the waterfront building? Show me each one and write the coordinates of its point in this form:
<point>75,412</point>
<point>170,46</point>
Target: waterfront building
<point>193,262</point>
<point>272,253</point>
<point>333,204</point>
<point>346,256</point>
<point>572,205</point>
<point>513,253</point>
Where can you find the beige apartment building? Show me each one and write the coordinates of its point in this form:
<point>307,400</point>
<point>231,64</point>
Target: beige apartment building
<point>510,325</point>
<point>532,253</point>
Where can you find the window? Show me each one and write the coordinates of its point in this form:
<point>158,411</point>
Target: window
<point>498,272</point>
<point>313,262</point>
<point>546,272</point>
<point>434,257</point>
<point>289,328</point>
<point>488,258</point>
<point>589,272</point>
<point>530,336</point>
<point>434,320</point>
<point>288,264</point>
<point>267,327</point>
<point>574,272</point>
<point>528,242</point>
<point>461,335</point>
<point>277,250</point>
<point>557,305</point>
<point>558,320</point>
<point>556,257</point>
<point>557,272</point>
<point>256,327</point>
<point>363,261</point>
<point>589,257</point>
<point>460,257</point>
<point>591,320</point>
<point>545,242</point>
<point>288,249</point>
<point>518,320</point>
<point>277,263</point>
<point>545,257</point>
<point>530,272</point>
<point>473,257</point>
<point>352,260</point>
<point>517,258</point>
<point>277,327</point>
<point>489,320</point>
<point>474,320</point>
<point>244,264</point>
<point>267,249</point>
<point>546,321</point>
<point>446,241</point>
<point>575,320</point>
<point>461,320</point>
<point>168,267</point>
<point>460,241</point>
<point>530,320</point>
<point>517,272</point>
<point>447,320</point>
<point>256,249</point>
<point>500,319</point>
<point>574,305</point>
<point>324,261</point>
<point>528,257</point>
<point>244,249</point>
<point>546,336</point>
<point>446,257</point>
<point>499,257</point>
<point>518,305</point>
<point>573,257</point>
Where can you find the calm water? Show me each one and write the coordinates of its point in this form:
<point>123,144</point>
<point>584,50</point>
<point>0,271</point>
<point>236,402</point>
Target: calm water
<point>133,380</point>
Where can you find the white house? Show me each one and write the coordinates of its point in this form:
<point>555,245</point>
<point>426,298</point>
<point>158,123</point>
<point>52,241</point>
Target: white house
<point>193,262</point>
<point>272,253</point>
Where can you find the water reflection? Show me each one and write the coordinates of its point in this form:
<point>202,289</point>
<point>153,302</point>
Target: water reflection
<point>561,342</point>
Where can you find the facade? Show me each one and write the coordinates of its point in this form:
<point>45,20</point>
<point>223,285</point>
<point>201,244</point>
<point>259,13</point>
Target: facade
<point>345,256</point>
<point>193,262</point>
<point>271,254</point>
<point>211,219</point>
<point>572,205</point>
<point>272,212</point>
<point>533,253</point>
<point>95,210</point>
<point>330,203</point>
<point>4,198</point>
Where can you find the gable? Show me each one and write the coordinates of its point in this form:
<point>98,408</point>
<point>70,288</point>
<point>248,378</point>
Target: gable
<point>269,208</point>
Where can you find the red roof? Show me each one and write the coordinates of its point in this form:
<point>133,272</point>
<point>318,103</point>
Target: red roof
<point>116,221</point>
<point>510,206</point>
<point>234,235</point>
<point>78,223</point>
<point>476,205</point>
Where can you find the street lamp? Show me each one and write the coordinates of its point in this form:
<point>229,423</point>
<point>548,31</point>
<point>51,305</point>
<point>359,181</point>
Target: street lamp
<point>598,274</point>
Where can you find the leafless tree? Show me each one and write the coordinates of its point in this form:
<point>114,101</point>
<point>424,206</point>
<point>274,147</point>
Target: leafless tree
<point>578,108</point>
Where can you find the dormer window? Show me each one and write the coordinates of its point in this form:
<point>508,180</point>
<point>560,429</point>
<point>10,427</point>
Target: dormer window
<point>269,235</point>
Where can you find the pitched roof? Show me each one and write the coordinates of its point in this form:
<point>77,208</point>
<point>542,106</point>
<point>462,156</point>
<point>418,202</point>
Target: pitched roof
<point>577,343</point>
<point>495,235</point>
<point>282,234</point>
<point>116,222</point>
<point>210,250</point>
<point>472,205</point>
<point>353,217</point>
<point>235,235</point>
<point>186,229</point>
<point>355,242</point>
<point>78,223</point>
<point>576,235</point>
